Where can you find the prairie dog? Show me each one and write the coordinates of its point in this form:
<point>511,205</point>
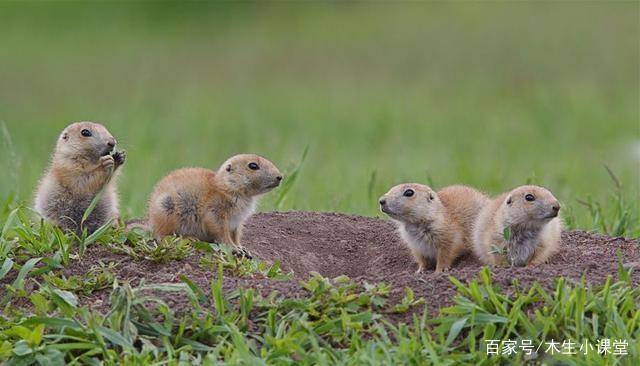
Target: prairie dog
<point>531,215</point>
<point>83,163</point>
<point>434,225</point>
<point>211,205</point>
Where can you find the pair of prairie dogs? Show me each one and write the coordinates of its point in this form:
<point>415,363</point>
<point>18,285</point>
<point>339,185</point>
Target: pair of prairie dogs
<point>193,202</point>
<point>517,228</point>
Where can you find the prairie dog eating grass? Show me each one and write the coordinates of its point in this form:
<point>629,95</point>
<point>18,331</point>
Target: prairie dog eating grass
<point>518,228</point>
<point>83,163</point>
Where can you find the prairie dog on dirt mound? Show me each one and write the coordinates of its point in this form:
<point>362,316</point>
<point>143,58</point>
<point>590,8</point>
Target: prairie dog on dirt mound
<point>211,205</point>
<point>83,163</point>
<point>434,225</point>
<point>530,213</point>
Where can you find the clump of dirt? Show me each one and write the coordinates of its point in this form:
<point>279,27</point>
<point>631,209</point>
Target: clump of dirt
<point>365,249</point>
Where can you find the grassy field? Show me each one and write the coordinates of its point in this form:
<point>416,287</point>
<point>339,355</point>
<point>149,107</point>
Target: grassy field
<point>493,95</point>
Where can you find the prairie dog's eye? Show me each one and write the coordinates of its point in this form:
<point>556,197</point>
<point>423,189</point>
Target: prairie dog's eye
<point>85,133</point>
<point>408,193</point>
<point>253,166</point>
<point>529,197</point>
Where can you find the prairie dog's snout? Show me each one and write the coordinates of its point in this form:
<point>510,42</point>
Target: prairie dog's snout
<point>555,208</point>
<point>276,182</point>
<point>108,143</point>
<point>111,142</point>
<point>384,207</point>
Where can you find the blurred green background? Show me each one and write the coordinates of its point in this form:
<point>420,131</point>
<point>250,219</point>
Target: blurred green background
<point>488,94</point>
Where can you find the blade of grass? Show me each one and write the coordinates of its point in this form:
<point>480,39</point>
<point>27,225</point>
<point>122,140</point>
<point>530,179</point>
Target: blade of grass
<point>290,181</point>
<point>26,268</point>
<point>6,267</point>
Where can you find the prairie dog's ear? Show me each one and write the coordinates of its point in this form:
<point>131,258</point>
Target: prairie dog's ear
<point>509,200</point>
<point>430,196</point>
<point>65,136</point>
<point>229,167</point>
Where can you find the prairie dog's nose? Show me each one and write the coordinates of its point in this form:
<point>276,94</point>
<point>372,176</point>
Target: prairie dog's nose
<point>111,142</point>
<point>555,207</point>
<point>279,178</point>
<point>382,201</point>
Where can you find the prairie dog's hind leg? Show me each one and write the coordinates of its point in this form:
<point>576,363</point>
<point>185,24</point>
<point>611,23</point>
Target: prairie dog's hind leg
<point>235,236</point>
<point>163,220</point>
<point>423,263</point>
<point>444,261</point>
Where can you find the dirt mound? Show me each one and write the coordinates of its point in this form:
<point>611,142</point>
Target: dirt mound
<point>328,243</point>
<point>370,249</point>
<point>365,249</point>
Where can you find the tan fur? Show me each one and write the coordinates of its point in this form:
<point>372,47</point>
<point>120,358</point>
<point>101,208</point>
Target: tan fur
<point>435,226</point>
<point>532,224</point>
<point>210,205</point>
<point>80,167</point>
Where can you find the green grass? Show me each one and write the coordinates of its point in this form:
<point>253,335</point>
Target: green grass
<point>493,95</point>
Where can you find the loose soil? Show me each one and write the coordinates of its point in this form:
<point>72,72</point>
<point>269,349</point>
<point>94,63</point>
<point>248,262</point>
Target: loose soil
<point>365,249</point>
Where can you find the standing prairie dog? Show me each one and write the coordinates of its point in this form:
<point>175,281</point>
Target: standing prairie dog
<point>83,162</point>
<point>531,215</point>
<point>211,205</point>
<point>434,225</point>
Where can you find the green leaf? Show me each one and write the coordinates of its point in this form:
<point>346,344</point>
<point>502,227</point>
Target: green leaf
<point>8,224</point>
<point>196,292</point>
<point>26,268</point>
<point>241,346</point>
<point>506,233</point>
<point>98,233</point>
<point>456,327</point>
<point>6,267</point>
<point>22,348</point>
<point>5,349</point>
<point>290,180</point>
<point>51,322</point>
<point>92,205</point>
<point>18,331</point>
<point>115,337</point>
<point>51,357</point>
<point>40,302</point>
<point>35,338</point>
<point>197,346</point>
<point>73,346</point>
<point>67,297</point>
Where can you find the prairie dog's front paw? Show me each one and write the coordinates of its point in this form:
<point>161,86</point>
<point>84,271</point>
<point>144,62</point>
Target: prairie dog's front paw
<point>241,252</point>
<point>107,162</point>
<point>441,269</point>
<point>119,157</point>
